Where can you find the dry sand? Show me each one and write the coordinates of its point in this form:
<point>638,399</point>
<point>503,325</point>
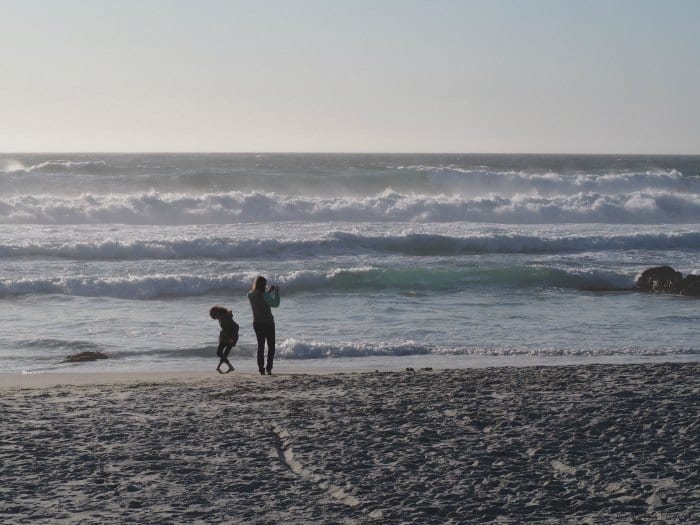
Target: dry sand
<point>578,444</point>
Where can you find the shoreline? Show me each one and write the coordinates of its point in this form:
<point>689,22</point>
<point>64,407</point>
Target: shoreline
<point>97,373</point>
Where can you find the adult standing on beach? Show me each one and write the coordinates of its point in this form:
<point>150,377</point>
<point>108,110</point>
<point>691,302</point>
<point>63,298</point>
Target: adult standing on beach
<point>261,300</point>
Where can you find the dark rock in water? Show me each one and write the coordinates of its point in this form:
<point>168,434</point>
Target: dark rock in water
<point>690,285</point>
<point>664,279</point>
<point>659,279</point>
<point>84,356</point>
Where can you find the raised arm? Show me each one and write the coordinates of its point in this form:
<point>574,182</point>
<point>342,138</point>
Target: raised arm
<point>272,298</point>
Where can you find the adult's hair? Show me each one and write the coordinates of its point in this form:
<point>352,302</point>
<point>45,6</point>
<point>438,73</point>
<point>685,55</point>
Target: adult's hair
<point>215,311</point>
<point>259,283</point>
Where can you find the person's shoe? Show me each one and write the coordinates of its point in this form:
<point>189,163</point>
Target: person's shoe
<point>269,371</point>
<point>262,371</point>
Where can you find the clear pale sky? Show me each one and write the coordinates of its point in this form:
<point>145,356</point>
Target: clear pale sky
<point>618,76</point>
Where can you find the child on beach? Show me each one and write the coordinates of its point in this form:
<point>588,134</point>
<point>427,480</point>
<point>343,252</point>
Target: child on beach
<point>228,337</point>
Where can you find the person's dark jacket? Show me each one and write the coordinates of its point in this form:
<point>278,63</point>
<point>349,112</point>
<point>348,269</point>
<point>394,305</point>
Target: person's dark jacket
<point>229,328</point>
<point>261,302</point>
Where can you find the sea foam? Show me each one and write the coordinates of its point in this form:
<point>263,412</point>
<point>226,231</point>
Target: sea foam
<point>300,349</point>
<point>348,243</point>
<point>239,207</point>
<point>406,280</point>
<point>55,166</point>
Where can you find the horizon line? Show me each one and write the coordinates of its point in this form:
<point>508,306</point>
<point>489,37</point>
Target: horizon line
<point>261,152</point>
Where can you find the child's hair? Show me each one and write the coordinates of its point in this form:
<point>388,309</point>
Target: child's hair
<point>216,311</point>
<point>259,283</point>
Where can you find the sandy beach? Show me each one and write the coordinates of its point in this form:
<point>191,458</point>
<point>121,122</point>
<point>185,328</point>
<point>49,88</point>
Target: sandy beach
<point>565,444</point>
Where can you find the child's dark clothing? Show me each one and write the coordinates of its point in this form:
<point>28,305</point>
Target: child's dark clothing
<point>228,337</point>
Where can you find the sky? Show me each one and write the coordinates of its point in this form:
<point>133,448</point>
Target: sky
<point>519,76</point>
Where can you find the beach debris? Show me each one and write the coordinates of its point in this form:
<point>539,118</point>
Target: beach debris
<point>84,356</point>
<point>410,369</point>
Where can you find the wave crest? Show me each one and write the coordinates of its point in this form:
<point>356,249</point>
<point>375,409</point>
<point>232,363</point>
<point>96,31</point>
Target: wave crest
<point>56,166</point>
<point>407,281</point>
<point>345,243</point>
<point>295,349</point>
<point>238,207</point>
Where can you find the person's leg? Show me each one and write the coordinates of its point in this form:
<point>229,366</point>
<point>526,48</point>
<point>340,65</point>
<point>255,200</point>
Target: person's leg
<point>220,349</point>
<point>260,335</point>
<point>224,358</point>
<point>270,336</point>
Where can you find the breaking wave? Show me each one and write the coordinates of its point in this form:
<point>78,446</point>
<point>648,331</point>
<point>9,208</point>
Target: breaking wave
<point>295,349</point>
<point>343,243</point>
<point>403,280</point>
<point>514,182</point>
<point>239,207</point>
<point>321,175</point>
<point>56,166</point>
<point>292,348</point>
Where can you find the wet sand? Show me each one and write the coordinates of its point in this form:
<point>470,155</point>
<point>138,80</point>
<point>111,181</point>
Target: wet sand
<point>565,444</point>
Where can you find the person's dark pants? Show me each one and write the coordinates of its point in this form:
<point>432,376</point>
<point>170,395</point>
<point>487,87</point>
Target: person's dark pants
<point>263,332</point>
<point>224,349</point>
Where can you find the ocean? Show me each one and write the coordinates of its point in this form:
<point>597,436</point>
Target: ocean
<point>401,260</point>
